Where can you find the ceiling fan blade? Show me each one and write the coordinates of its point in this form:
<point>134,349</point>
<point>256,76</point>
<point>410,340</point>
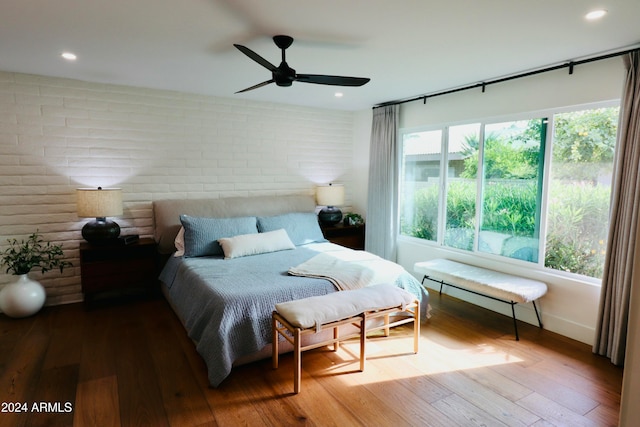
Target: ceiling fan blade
<point>257,86</point>
<point>332,80</point>
<point>259,59</point>
<point>284,75</point>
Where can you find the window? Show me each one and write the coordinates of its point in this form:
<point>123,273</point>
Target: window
<point>579,191</point>
<point>420,197</point>
<point>463,149</point>
<point>512,188</point>
<point>485,187</point>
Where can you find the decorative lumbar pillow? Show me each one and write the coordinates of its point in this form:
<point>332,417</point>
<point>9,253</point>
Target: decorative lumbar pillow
<point>302,227</point>
<point>201,234</point>
<point>254,244</point>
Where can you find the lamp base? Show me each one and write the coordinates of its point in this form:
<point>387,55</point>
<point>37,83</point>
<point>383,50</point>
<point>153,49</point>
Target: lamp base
<point>100,231</point>
<point>330,215</point>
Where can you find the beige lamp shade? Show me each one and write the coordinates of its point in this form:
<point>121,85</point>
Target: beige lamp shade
<point>99,202</point>
<point>330,195</point>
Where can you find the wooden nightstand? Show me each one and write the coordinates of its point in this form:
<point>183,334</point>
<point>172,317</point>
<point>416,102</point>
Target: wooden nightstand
<point>351,236</point>
<point>118,267</point>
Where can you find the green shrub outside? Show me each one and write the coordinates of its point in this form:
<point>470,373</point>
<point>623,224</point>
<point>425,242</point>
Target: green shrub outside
<point>576,223</point>
<point>577,226</point>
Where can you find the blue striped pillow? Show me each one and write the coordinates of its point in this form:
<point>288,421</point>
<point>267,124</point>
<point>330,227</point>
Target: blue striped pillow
<point>201,234</point>
<point>302,227</point>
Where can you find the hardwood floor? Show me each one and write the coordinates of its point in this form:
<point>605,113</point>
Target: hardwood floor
<point>132,364</point>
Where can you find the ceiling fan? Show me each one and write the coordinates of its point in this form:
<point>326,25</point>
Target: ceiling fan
<point>283,75</point>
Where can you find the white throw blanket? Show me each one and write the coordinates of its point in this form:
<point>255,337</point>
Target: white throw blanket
<point>349,269</point>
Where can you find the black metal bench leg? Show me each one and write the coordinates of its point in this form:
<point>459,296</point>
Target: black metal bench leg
<point>537,315</point>
<point>437,281</point>
<point>513,310</point>
<point>515,322</point>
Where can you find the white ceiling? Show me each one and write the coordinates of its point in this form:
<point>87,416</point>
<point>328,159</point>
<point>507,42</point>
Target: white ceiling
<point>406,47</point>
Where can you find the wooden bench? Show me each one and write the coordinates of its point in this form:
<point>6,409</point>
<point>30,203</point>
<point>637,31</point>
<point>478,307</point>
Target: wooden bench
<point>482,281</point>
<point>293,319</point>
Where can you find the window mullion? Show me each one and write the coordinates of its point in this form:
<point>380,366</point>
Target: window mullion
<point>546,185</point>
<point>444,171</point>
<point>480,187</point>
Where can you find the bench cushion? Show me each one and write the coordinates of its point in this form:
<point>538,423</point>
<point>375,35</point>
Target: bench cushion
<point>316,311</point>
<point>482,280</point>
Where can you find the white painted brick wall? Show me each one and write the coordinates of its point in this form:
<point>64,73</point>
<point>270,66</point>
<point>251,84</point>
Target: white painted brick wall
<point>57,135</point>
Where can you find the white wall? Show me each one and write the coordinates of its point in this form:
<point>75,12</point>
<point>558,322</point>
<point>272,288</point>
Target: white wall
<point>361,148</point>
<point>57,135</point>
<point>571,305</point>
<point>593,82</point>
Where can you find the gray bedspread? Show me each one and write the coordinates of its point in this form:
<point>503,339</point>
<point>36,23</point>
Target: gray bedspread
<point>226,305</point>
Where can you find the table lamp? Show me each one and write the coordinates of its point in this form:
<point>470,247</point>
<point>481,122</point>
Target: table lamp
<point>330,196</point>
<point>99,203</point>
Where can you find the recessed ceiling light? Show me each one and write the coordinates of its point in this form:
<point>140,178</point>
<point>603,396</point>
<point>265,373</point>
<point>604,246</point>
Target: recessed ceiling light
<point>69,56</point>
<point>338,94</point>
<point>595,14</point>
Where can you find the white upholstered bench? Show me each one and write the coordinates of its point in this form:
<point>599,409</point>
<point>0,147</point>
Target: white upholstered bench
<point>482,281</point>
<point>293,319</point>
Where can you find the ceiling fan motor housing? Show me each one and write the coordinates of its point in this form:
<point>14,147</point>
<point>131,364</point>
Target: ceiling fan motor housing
<point>284,75</point>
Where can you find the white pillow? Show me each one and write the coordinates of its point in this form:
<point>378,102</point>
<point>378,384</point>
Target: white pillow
<point>179,243</point>
<point>255,243</point>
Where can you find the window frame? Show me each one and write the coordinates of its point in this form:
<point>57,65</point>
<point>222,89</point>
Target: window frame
<point>546,157</point>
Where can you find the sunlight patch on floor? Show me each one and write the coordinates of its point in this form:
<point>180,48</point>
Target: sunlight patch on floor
<point>432,359</point>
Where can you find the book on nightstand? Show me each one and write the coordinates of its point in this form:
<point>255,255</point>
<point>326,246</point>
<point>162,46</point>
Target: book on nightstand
<point>129,239</point>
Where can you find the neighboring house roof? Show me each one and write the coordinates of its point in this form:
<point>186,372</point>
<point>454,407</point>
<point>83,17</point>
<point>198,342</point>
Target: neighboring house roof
<point>426,146</point>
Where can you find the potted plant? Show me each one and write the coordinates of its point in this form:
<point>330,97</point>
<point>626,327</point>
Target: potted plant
<point>25,296</point>
<point>353,219</point>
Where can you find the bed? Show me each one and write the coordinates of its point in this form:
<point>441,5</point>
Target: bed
<point>237,257</point>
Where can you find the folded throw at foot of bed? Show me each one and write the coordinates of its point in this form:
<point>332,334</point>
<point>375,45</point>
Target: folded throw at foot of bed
<point>349,269</point>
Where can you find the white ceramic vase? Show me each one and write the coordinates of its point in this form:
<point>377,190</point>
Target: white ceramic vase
<point>22,298</point>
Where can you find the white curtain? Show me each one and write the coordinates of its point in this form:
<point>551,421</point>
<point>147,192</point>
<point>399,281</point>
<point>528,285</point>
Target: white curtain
<point>618,277</point>
<point>382,222</point>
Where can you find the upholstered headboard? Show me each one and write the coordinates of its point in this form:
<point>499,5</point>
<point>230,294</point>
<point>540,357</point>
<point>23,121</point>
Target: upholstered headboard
<point>166,213</point>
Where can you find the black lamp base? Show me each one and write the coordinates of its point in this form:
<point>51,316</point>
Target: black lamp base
<point>330,215</point>
<point>100,231</point>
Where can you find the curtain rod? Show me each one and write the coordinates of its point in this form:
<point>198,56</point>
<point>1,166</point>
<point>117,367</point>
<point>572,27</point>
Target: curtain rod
<point>484,84</point>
